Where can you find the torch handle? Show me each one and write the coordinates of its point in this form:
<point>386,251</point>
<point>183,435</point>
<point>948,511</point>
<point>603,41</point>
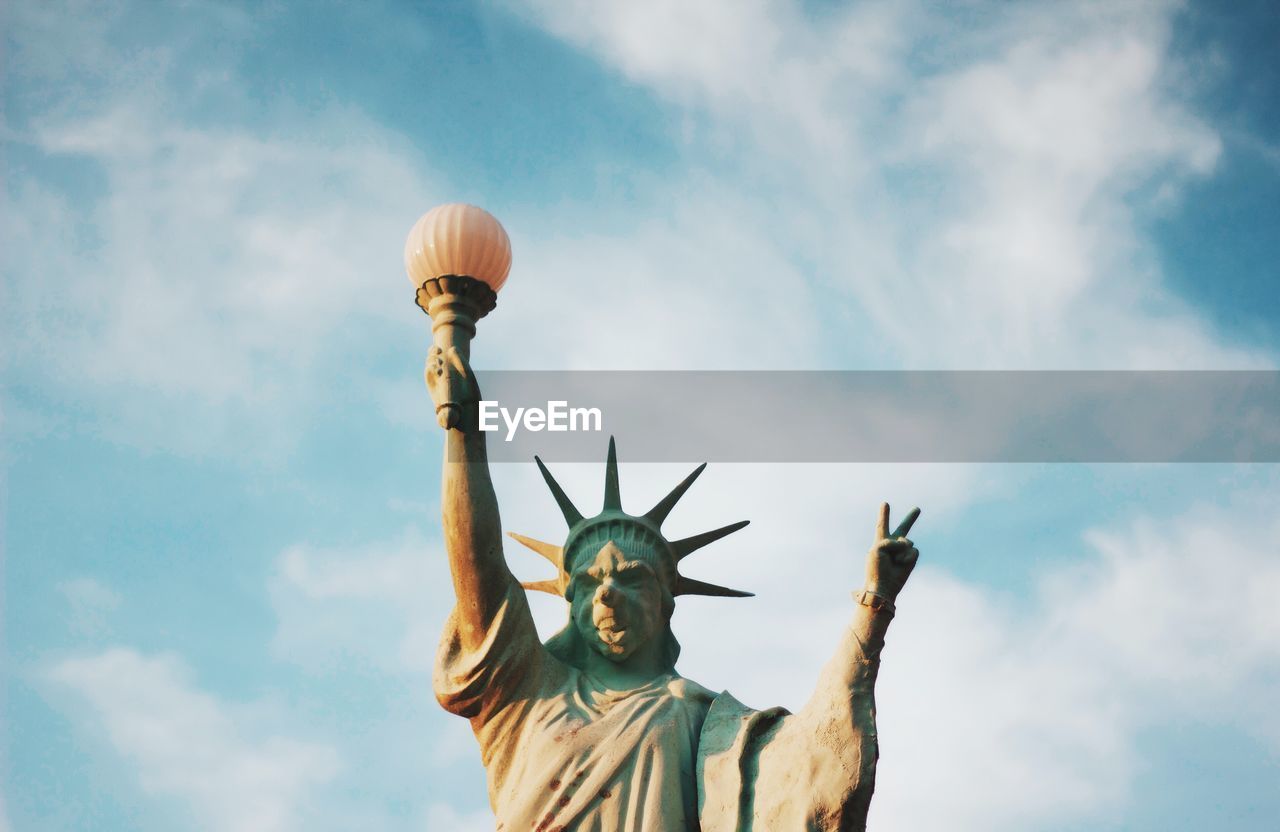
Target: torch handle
<point>448,334</point>
<point>455,303</point>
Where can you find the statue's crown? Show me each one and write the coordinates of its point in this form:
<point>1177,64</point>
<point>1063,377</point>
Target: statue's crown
<point>640,536</point>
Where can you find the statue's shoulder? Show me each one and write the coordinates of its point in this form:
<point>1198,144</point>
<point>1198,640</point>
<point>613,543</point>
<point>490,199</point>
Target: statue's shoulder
<point>690,691</point>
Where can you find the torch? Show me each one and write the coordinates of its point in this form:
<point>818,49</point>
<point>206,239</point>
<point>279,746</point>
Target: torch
<point>458,257</point>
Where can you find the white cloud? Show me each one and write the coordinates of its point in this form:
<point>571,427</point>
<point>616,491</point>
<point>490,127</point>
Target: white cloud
<point>853,195</point>
<point>441,817</point>
<point>1011,715</point>
<point>380,604</point>
<point>692,288</point>
<point>787,81</point>
<point>454,742</point>
<point>91,603</point>
<point>194,280</point>
<point>374,614</point>
<point>1048,148</point>
<point>956,191</point>
<point>221,267</point>
<point>191,746</point>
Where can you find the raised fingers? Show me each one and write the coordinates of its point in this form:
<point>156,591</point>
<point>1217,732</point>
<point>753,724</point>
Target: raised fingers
<point>907,522</point>
<point>882,523</point>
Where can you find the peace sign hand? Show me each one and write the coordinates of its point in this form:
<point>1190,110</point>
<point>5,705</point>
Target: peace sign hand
<point>892,556</point>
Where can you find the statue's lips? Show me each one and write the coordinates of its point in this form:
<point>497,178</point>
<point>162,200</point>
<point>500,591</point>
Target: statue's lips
<point>612,637</point>
<point>610,628</point>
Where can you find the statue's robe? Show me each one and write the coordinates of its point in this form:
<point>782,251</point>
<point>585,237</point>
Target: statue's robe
<point>563,752</point>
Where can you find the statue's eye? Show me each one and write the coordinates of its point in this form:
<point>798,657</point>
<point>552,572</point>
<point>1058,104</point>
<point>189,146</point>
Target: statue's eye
<point>635,574</point>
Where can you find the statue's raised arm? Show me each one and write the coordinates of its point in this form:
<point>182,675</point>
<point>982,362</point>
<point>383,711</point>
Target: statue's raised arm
<point>471,525</point>
<point>814,769</point>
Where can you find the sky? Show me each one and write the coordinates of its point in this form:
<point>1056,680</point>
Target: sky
<point>223,578</point>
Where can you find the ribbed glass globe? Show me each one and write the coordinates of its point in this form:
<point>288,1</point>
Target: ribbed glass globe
<point>458,239</point>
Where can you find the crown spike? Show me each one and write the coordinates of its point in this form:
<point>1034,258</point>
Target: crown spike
<point>553,553</point>
<point>571,514</point>
<point>552,587</point>
<point>659,512</point>
<point>692,586</point>
<point>612,495</point>
<point>688,545</point>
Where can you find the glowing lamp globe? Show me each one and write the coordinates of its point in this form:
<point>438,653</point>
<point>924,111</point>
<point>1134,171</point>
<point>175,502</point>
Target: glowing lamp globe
<point>458,239</point>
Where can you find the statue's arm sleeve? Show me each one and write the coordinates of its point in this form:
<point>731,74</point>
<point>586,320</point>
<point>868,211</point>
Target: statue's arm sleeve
<point>828,750</point>
<point>812,770</point>
<point>509,664</point>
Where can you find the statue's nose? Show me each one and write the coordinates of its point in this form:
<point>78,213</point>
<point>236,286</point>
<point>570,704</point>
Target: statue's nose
<point>606,594</point>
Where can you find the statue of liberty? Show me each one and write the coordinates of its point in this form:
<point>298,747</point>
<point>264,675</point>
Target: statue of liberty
<point>595,730</point>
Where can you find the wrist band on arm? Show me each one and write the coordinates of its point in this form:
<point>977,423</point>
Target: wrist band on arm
<point>878,603</point>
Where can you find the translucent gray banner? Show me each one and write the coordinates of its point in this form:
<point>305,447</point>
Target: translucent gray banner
<point>885,416</point>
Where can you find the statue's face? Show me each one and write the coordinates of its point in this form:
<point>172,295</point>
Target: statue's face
<point>617,603</point>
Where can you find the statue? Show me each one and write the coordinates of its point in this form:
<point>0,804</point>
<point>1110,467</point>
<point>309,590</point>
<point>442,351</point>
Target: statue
<point>595,730</point>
